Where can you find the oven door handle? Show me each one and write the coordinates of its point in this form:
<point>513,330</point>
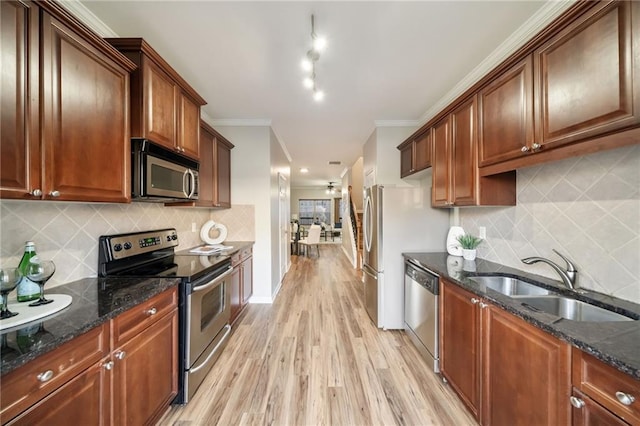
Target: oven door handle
<point>213,352</point>
<point>214,282</point>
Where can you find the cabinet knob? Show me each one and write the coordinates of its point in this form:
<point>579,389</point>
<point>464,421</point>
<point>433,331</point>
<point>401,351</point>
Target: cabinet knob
<point>36,192</point>
<point>182,149</point>
<point>475,301</point>
<point>625,398</point>
<point>120,355</point>
<point>152,311</point>
<point>576,402</point>
<point>483,305</point>
<point>524,149</point>
<point>108,365</point>
<point>54,193</point>
<point>45,376</point>
<point>536,147</point>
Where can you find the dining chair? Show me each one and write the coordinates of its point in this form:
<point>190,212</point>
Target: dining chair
<point>312,239</point>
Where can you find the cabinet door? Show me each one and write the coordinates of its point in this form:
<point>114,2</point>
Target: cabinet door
<point>463,156</point>
<point>236,292</point>
<point>19,121</point>
<point>422,152</point>
<point>526,376</point>
<point>146,373</point>
<point>406,160</point>
<point>247,280</point>
<point>85,400</point>
<point>460,343</point>
<point>188,126</point>
<point>159,105</point>
<point>206,174</point>
<point>86,124</point>
<point>592,414</point>
<point>585,77</point>
<point>505,106</point>
<point>222,182</point>
<point>441,163</point>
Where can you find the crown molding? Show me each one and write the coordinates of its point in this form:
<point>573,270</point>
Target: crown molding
<point>80,11</point>
<point>282,145</point>
<point>543,17</point>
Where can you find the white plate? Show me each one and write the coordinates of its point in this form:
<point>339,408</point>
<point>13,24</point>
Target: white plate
<point>28,313</point>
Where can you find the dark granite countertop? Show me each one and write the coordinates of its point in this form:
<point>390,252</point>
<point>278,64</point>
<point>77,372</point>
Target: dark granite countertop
<point>615,343</point>
<point>95,301</point>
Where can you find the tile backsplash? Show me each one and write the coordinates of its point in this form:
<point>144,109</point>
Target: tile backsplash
<point>68,233</point>
<point>587,208</point>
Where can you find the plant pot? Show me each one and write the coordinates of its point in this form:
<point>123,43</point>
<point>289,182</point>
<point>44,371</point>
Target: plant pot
<point>469,254</point>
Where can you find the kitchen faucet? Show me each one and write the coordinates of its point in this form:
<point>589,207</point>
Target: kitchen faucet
<point>568,276</point>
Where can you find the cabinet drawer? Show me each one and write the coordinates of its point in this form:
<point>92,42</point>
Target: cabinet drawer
<point>28,384</point>
<point>142,316</point>
<point>601,382</point>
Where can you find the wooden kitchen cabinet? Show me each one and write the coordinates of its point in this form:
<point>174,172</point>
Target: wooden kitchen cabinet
<point>456,181</point>
<point>215,169</point>
<point>125,369</point>
<point>241,281</point>
<point>164,107</point>
<point>586,76</point>
<point>504,370</point>
<point>505,127</point>
<point>415,154</point>
<point>604,391</point>
<point>57,115</point>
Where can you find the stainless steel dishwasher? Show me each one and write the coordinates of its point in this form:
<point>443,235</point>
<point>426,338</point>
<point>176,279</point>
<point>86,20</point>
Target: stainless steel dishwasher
<point>421,289</point>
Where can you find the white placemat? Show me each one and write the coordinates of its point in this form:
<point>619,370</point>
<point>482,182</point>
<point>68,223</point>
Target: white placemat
<point>28,313</point>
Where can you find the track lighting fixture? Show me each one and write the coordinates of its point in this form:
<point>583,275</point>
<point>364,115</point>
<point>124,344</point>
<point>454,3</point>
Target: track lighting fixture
<point>309,63</point>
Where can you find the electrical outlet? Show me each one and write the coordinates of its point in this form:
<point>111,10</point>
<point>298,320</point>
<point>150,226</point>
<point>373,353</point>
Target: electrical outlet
<point>193,227</point>
<point>483,232</point>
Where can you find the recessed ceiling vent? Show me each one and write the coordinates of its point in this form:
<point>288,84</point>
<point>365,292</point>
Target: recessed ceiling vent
<point>335,163</point>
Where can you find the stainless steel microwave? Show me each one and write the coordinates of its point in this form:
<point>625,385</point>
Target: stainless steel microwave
<point>160,175</point>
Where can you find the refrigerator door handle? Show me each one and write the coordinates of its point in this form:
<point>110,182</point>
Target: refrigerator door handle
<point>369,271</point>
<point>367,225</point>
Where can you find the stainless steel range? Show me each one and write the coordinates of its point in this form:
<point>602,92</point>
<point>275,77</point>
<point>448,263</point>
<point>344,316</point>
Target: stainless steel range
<point>204,295</point>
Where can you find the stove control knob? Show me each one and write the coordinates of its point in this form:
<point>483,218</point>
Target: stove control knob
<point>127,245</point>
<point>174,237</point>
<point>117,247</point>
<point>168,238</point>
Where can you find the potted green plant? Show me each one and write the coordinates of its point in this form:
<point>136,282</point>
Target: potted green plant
<point>469,244</point>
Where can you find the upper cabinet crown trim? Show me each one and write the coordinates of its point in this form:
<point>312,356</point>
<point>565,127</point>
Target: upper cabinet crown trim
<point>137,44</point>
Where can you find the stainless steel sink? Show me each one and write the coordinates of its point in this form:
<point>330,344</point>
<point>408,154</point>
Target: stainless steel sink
<point>510,286</point>
<point>571,309</point>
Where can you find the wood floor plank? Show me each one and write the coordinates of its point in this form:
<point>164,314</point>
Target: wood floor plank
<point>314,357</point>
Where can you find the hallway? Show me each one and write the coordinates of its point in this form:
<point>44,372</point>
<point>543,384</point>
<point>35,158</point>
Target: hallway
<point>314,357</point>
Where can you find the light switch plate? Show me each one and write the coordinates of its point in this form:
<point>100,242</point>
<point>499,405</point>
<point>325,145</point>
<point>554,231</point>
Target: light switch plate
<point>482,231</point>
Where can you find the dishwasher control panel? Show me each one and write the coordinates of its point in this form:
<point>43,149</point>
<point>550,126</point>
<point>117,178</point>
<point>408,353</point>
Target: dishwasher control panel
<point>422,277</point>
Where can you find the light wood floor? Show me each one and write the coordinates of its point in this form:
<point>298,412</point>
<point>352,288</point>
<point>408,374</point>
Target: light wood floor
<point>315,358</point>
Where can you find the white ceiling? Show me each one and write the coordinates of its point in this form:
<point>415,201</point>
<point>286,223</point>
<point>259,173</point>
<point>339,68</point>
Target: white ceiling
<point>384,61</point>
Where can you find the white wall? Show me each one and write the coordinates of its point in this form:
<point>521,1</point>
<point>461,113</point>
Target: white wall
<point>279,165</point>
<point>251,184</point>
<point>388,155</point>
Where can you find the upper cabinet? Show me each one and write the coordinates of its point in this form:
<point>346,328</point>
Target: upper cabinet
<point>164,107</point>
<point>456,181</point>
<point>415,154</point>
<point>215,169</point>
<point>65,95</point>
<point>586,79</point>
<point>572,90</point>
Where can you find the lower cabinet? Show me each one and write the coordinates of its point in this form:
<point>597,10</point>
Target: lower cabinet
<point>506,371</point>
<point>241,281</point>
<point>602,395</point>
<point>89,381</point>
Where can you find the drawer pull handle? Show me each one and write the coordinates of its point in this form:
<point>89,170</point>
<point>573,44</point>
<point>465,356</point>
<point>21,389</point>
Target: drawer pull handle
<point>108,365</point>
<point>625,398</point>
<point>46,376</point>
<point>576,402</point>
<point>152,311</point>
<point>120,355</point>
<point>475,301</point>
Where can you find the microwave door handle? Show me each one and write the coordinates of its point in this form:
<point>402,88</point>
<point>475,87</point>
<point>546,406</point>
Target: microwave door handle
<point>193,183</point>
<point>184,182</point>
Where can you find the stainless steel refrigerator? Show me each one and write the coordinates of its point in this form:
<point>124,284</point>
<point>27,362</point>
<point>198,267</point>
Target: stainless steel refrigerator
<point>396,220</point>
